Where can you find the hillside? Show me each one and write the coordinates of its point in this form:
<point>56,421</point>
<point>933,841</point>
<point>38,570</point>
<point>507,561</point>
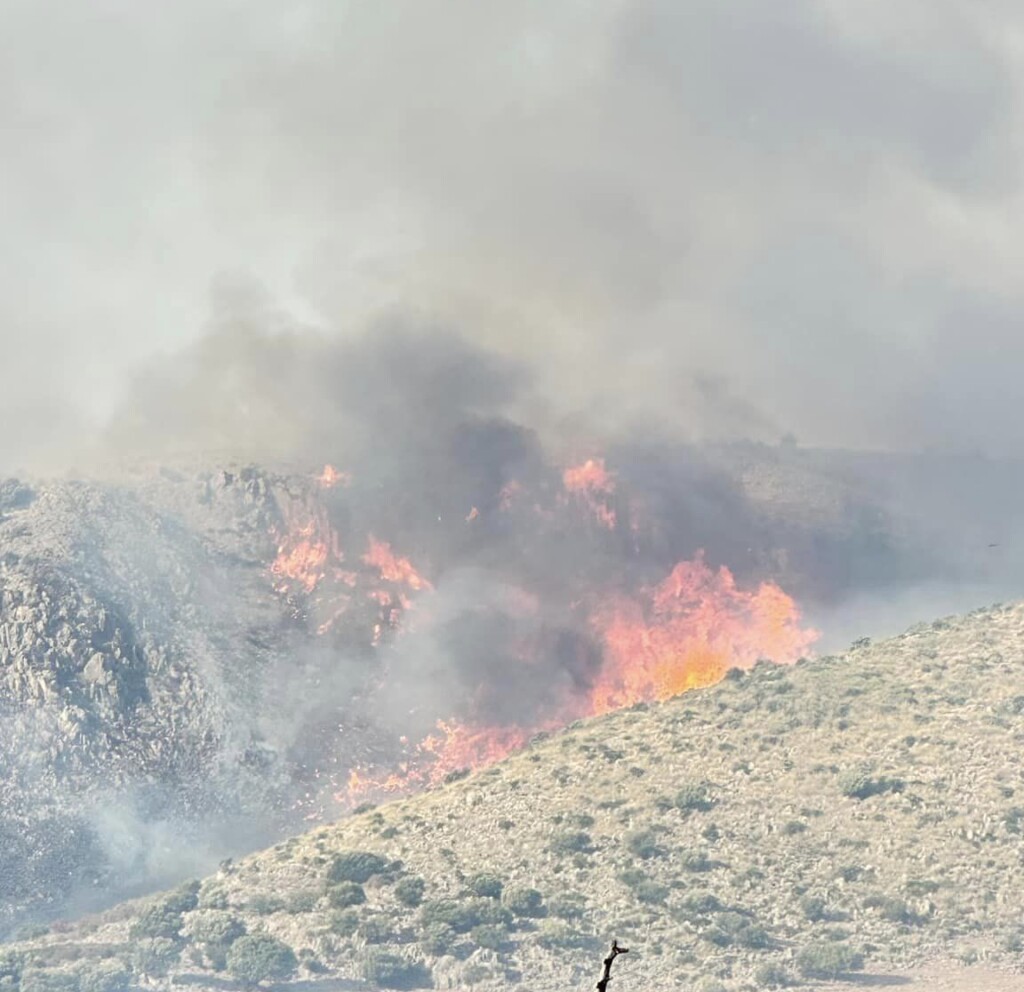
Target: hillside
<point>737,835</point>
<point>191,654</point>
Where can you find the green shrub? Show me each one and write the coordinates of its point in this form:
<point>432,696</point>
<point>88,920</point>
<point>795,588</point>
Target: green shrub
<point>892,909</point>
<point>559,935</point>
<point>214,928</point>
<point>155,956</point>
<point>303,901</point>
<point>259,957</point>
<point>387,970</point>
<point>437,939</point>
<point>523,901</point>
<point>355,866</point>
<point>409,891</point>
<point>104,976</point>
<point>489,936</point>
<point>11,963</point>
<point>486,885</point>
<point>772,975</point>
<point>157,920</point>
<point>49,980</point>
<point>265,904</point>
<point>346,894</point>
<point>858,784</point>
<point>696,861</point>
<point>463,916</point>
<point>376,930</point>
<point>828,961</point>
<point>814,908</point>
<point>694,797</point>
<point>644,844</point>
<point>345,923</point>
<point>571,842</point>
<point>184,898</point>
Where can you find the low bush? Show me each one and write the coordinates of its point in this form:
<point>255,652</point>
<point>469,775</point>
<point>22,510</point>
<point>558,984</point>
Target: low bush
<point>184,898</point>
<point>104,976</point>
<point>694,797</point>
<point>813,908</point>
<point>463,916</point>
<point>437,939</point>
<point>376,930</point>
<point>387,970</point>
<point>409,891</point>
<point>344,923</point>
<point>644,844</point>
<point>259,957</point>
<point>772,975</point>
<point>49,980</point>
<point>828,961</point>
<point>155,956</point>
<point>858,784</point>
<point>346,894</point>
<point>490,936</point>
<point>215,928</point>
<point>559,935</point>
<point>571,842</point>
<point>157,920</point>
<point>523,901</point>
<point>355,866</point>
<point>486,885</point>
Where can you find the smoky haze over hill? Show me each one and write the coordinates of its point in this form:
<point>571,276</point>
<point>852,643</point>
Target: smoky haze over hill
<point>739,224</point>
<point>763,263</point>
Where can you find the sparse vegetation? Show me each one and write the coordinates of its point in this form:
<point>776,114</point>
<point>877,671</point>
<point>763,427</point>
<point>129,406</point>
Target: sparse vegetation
<point>814,851</point>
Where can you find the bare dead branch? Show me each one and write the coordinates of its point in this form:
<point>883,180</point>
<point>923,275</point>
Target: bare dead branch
<point>602,985</point>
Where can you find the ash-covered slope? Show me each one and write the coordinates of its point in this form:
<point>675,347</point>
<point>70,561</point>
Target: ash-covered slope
<point>784,824</point>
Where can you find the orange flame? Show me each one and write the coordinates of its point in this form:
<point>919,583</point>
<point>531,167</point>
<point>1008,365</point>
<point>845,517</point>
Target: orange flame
<point>681,633</point>
<point>303,553</point>
<point>331,477</point>
<point>684,633</point>
<point>688,631</point>
<point>392,567</point>
<point>594,485</point>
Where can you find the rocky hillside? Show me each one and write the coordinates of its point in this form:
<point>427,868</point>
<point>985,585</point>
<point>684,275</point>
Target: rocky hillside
<point>165,702</point>
<point>787,825</point>
<point>137,623</point>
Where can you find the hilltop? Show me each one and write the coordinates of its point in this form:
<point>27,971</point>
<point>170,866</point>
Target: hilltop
<point>866,808</point>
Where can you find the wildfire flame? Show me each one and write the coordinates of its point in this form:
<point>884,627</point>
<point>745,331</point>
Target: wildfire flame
<point>331,477</point>
<point>656,641</point>
<point>392,567</point>
<point>594,485</point>
<point>687,632</point>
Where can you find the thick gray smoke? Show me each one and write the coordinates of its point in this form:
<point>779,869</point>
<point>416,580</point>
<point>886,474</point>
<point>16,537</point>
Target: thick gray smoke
<point>743,221</point>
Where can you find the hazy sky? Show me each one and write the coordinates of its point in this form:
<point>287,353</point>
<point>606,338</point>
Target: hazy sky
<point>741,217</point>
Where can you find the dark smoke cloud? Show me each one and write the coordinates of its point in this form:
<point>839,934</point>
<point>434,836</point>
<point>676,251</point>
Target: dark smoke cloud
<point>811,206</point>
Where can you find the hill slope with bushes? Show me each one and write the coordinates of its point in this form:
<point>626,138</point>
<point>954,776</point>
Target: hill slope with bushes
<point>786,826</point>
